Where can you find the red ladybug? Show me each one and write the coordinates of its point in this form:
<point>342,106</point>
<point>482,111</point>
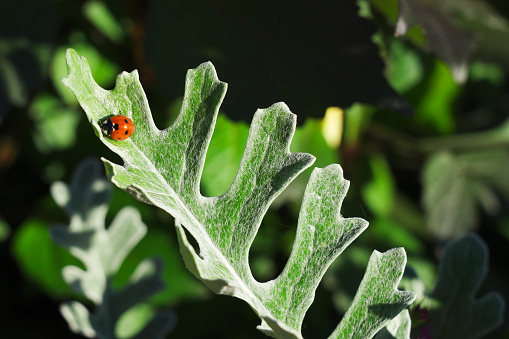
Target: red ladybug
<point>118,127</point>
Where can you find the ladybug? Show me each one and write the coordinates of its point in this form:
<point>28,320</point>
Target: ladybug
<point>118,127</point>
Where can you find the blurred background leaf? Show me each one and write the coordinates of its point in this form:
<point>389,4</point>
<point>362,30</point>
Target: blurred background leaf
<point>455,310</point>
<point>455,186</point>
<point>45,267</point>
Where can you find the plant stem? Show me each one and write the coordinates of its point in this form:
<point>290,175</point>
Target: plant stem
<point>495,137</point>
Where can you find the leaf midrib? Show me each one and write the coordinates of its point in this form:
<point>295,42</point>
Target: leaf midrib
<point>183,206</point>
<point>211,245</point>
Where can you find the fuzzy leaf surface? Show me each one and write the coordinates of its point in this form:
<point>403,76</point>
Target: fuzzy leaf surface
<point>377,300</point>
<point>397,328</point>
<point>164,168</point>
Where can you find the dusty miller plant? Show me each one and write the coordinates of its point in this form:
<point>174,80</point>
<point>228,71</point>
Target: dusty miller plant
<point>102,251</point>
<point>164,167</point>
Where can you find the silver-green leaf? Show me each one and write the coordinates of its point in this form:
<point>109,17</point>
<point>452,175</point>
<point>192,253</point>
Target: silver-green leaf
<point>164,168</point>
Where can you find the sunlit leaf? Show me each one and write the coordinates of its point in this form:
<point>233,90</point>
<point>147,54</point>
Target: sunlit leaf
<point>164,168</point>
<point>397,328</point>
<point>104,69</point>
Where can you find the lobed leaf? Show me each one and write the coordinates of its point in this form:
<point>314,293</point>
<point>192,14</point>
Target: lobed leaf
<point>460,274</point>
<point>164,168</point>
<point>78,318</point>
<point>397,328</point>
<point>377,300</point>
<point>102,251</point>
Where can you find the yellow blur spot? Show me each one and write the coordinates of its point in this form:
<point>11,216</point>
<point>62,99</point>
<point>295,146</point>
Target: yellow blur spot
<point>332,126</point>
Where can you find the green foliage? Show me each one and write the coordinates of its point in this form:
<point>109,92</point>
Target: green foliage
<point>307,138</point>
<point>157,243</point>
<point>440,33</point>
<point>45,267</point>
<point>405,66</point>
<point>455,312</point>
<point>227,146</point>
<point>224,155</point>
<point>378,289</point>
<point>164,168</point>
<point>458,28</point>
<point>456,184</point>
<point>55,125</point>
<point>104,69</point>
<point>397,328</point>
<point>345,53</point>
<point>435,106</point>
<point>357,118</point>
<point>97,12</point>
<point>379,192</point>
<point>102,252</point>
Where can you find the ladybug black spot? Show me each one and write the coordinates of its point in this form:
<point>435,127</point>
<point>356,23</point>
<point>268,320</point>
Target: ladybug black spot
<point>115,127</point>
<point>126,132</point>
<point>107,127</point>
<point>127,122</point>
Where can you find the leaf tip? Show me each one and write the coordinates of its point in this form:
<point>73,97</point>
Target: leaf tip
<point>71,56</point>
<point>474,241</point>
<point>74,63</point>
<point>207,67</point>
